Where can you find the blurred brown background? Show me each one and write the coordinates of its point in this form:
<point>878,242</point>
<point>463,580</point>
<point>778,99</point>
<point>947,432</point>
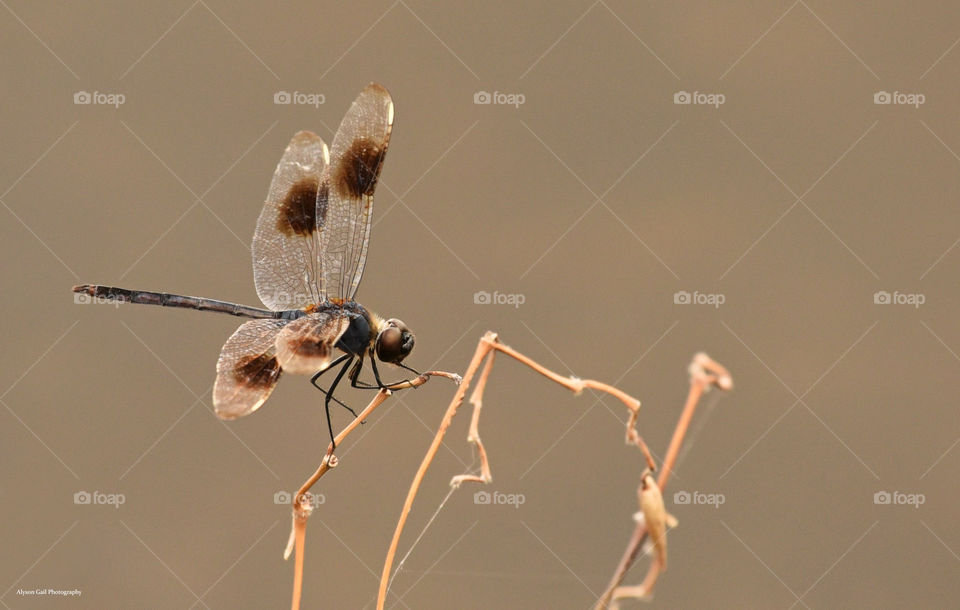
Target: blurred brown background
<point>598,199</point>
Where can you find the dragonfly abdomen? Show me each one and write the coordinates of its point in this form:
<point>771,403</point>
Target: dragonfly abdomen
<point>163,299</point>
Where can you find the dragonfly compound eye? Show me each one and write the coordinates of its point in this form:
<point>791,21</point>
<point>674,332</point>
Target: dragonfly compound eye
<point>395,341</point>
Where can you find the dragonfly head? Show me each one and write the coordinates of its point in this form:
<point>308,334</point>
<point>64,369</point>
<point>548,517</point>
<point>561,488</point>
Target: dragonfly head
<point>394,341</point>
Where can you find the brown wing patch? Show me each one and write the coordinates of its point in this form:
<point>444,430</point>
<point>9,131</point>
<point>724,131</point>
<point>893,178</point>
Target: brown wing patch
<point>323,199</point>
<point>306,345</point>
<point>356,159</point>
<point>247,370</point>
<point>257,371</point>
<point>357,174</point>
<point>298,212</point>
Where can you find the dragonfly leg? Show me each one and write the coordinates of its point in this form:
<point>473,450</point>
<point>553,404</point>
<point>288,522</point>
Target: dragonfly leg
<point>355,377</point>
<point>381,385</point>
<point>326,402</point>
<point>356,383</point>
<point>313,380</point>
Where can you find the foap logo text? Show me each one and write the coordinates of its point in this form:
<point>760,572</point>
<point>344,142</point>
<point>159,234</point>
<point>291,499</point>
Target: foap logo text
<point>714,299</point>
<point>499,98</point>
<point>299,98</point>
<point>97,497</point>
<point>899,98</point>
<point>899,498</point>
<point>699,98</point>
<point>699,498</point>
<point>99,98</point>
<point>913,299</point>
<point>83,298</point>
<point>285,497</point>
<point>499,498</point>
<point>515,299</point>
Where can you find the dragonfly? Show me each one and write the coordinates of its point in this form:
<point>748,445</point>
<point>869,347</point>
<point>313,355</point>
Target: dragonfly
<point>309,250</point>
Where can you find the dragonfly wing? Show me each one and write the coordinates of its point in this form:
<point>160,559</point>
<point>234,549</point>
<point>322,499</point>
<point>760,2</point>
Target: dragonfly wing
<point>306,345</point>
<point>286,242</point>
<point>356,158</point>
<point>248,369</point>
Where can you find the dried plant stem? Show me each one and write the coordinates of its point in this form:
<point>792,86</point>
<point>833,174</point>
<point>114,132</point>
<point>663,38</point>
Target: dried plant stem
<point>641,591</point>
<point>476,399</point>
<point>487,348</point>
<point>571,383</point>
<point>302,503</point>
<point>704,374</point>
<point>486,344</point>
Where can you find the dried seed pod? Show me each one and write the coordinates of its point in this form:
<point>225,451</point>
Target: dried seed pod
<point>655,516</point>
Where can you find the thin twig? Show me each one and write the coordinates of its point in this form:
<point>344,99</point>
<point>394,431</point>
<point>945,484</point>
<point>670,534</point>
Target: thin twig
<point>302,502</point>
<point>704,374</point>
<point>488,346</point>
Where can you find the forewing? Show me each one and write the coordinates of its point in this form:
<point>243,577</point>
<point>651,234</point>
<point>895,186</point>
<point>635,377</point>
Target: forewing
<point>356,158</point>
<point>286,241</point>
<point>248,369</point>
<point>306,345</point>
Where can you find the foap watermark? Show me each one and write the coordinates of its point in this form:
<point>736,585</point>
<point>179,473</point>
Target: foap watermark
<point>699,498</point>
<point>482,297</point>
<point>299,98</point>
<point>682,297</point>
<point>98,98</point>
<point>882,297</point>
<point>97,497</point>
<point>289,300</point>
<point>499,98</point>
<point>285,497</point>
<point>699,98</point>
<point>899,498</point>
<point>82,298</point>
<point>899,98</point>
<point>498,497</point>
